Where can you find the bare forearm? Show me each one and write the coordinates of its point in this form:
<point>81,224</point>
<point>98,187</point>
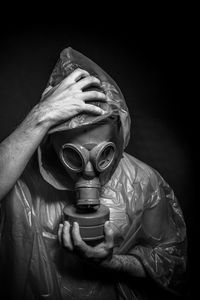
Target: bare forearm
<point>63,103</point>
<point>17,149</point>
<point>127,264</point>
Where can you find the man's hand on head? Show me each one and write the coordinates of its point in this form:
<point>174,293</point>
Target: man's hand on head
<point>59,104</point>
<point>70,238</point>
<point>69,98</point>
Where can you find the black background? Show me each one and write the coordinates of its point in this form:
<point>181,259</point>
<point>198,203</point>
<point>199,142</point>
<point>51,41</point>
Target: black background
<point>150,59</point>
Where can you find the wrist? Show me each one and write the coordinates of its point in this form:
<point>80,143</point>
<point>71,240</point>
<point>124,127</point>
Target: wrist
<point>125,264</point>
<point>39,118</point>
<point>35,125</point>
<point>112,263</point>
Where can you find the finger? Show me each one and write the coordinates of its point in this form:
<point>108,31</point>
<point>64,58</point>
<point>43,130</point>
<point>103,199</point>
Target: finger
<point>77,74</point>
<point>73,77</point>
<point>90,108</point>
<point>60,229</point>
<point>66,236</point>
<point>79,244</point>
<point>93,95</point>
<point>109,234</point>
<point>88,81</point>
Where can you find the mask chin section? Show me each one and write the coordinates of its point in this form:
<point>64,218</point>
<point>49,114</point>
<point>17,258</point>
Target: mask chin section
<point>87,194</point>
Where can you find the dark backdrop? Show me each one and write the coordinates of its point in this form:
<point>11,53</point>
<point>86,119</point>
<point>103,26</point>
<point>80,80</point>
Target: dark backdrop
<point>150,66</point>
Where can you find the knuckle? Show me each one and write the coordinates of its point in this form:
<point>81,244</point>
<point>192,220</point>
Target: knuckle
<point>70,88</point>
<point>83,71</point>
<point>95,79</point>
<point>65,234</point>
<point>60,227</point>
<point>89,79</point>
<point>99,95</point>
<point>97,110</point>
<point>95,94</point>
<point>66,226</point>
<point>93,109</point>
<point>65,237</point>
<point>79,71</point>
<point>77,243</point>
<point>85,81</point>
<point>110,232</point>
<point>65,243</point>
<point>63,82</point>
<point>65,231</point>
<point>80,106</point>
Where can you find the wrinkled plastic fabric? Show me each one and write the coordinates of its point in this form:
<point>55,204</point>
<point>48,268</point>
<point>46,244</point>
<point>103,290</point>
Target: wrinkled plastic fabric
<point>145,216</point>
<point>70,60</point>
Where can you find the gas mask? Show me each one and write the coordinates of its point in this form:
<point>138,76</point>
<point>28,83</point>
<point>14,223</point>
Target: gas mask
<point>88,161</point>
<point>88,156</point>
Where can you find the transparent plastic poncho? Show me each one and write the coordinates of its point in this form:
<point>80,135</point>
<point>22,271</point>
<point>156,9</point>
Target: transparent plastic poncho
<point>145,215</point>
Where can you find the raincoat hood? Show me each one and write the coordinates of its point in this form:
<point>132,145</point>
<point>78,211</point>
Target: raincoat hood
<point>115,107</point>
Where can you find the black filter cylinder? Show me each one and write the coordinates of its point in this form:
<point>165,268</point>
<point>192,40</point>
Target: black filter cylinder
<point>91,223</point>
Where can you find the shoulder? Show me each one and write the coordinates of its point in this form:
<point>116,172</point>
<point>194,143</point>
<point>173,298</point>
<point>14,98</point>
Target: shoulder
<point>26,184</point>
<point>138,171</point>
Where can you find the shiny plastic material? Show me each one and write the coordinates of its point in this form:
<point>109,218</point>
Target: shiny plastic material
<point>145,216</point>
<point>71,59</point>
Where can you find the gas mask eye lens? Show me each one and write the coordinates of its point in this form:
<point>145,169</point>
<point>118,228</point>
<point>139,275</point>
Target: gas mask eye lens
<point>72,158</point>
<point>105,157</point>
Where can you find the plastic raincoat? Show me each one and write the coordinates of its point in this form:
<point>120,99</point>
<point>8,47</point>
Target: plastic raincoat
<point>144,213</point>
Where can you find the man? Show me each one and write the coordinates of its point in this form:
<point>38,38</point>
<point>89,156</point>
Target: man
<point>43,256</point>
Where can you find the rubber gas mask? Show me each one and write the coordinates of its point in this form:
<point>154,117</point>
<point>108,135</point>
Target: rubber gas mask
<point>87,162</point>
<point>88,156</point>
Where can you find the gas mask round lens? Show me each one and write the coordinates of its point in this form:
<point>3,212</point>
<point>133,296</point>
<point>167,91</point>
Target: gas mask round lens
<point>104,155</point>
<point>74,157</point>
